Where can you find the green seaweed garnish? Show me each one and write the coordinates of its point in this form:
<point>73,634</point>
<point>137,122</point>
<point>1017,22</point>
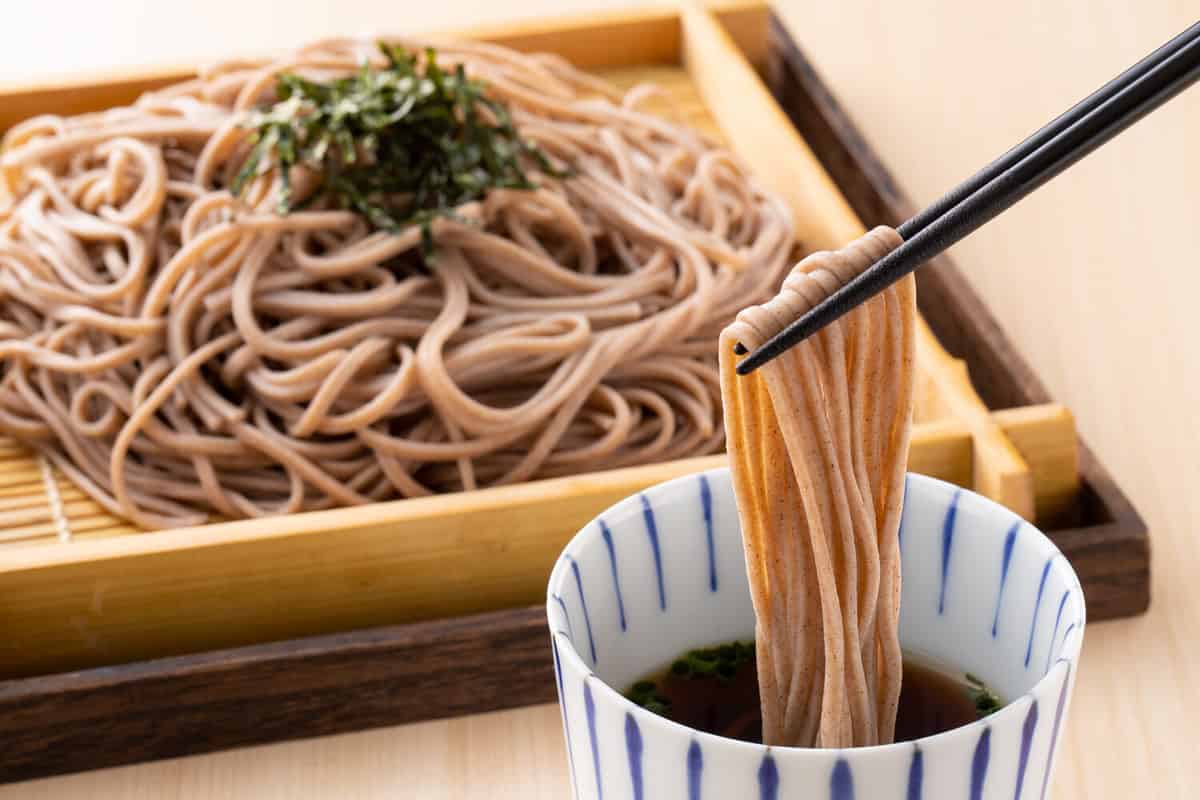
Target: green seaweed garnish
<point>402,145</point>
<point>986,701</point>
<point>646,695</point>
<point>722,662</point>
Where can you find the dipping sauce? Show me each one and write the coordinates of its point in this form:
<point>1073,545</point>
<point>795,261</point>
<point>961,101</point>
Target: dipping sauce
<point>716,690</point>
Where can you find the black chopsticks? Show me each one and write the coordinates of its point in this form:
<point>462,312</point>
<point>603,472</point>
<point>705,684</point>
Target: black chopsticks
<point>1071,136</point>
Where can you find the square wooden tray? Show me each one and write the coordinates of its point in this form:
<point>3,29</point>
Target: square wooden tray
<point>108,599</point>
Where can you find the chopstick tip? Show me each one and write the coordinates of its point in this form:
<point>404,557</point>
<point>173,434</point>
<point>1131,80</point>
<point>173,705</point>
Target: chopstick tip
<point>752,362</point>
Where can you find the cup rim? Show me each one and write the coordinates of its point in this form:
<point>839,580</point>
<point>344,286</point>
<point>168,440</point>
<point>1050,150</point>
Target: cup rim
<point>567,651</point>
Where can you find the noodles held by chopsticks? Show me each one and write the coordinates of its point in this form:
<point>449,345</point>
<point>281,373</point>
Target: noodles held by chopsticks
<point>181,352</point>
<point>818,445</point>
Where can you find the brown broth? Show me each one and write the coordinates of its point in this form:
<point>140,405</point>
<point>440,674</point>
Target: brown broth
<point>931,700</point>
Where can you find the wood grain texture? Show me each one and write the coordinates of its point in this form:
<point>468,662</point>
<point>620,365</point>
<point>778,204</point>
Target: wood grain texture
<point>618,38</point>
<point>615,38</point>
<point>1000,471</point>
<point>599,40</point>
<point>1053,461</point>
<point>266,693</point>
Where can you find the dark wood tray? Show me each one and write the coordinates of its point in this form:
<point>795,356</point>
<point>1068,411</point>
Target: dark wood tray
<point>390,675</point>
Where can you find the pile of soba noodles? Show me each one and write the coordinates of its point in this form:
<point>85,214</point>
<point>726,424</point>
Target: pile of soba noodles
<point>180,350</point>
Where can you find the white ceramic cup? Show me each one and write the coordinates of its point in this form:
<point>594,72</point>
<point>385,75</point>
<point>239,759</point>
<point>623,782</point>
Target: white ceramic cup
<point>663,572</point>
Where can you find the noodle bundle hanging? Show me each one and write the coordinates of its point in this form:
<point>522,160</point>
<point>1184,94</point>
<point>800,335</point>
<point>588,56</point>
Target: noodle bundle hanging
<point>181,348</point>
<point>818,444</point>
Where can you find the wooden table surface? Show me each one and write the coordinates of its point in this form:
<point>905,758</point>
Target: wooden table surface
<point>1096,277</point>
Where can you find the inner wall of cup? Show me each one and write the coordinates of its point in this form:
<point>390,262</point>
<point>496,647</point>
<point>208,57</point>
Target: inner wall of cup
<point>984,591</point>
<point>657,574</point>
<point>664,571</point>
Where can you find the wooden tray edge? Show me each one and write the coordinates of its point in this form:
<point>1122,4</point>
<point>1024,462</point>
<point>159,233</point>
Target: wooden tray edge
<point>272,692</point>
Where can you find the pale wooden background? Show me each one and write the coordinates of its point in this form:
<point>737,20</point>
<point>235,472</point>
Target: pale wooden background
<point>1096,277</point>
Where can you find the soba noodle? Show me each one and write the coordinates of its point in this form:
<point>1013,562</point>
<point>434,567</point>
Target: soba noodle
<point>818,444</point>
<point>180,352</point>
